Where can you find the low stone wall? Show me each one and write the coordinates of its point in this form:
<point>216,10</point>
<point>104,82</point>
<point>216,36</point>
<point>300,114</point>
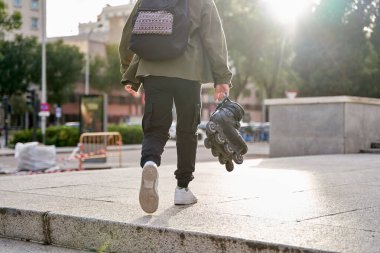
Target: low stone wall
<point>322,125</point>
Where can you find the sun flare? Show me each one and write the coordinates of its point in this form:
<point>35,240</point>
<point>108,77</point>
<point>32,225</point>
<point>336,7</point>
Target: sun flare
<point>288,11</point>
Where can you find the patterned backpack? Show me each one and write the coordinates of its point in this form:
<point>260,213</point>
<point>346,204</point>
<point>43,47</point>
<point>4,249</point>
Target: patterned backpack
<point>160,29</point>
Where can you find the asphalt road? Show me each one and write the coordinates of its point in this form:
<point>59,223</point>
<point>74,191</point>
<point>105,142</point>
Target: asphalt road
<point>131,158</point>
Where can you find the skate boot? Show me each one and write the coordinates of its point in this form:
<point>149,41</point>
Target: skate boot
<point>223,137</point>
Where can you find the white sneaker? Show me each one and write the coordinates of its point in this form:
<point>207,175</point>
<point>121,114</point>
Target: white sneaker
<point>183,196</point>
<point>148,191</point>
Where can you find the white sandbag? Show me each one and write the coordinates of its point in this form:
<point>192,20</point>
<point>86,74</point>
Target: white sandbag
<point>33,156</point>
<point>20,146</point>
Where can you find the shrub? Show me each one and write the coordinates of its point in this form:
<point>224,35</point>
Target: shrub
<point>63,136</point>
<point>22,136</point>
<point>60,136</point>
<point>130,134</point>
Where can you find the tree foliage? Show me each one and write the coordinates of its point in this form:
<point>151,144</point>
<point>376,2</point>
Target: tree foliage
<point>257,48</point>
<point>63,69</point>
<point>335,53</point>
<point>20,67</point>
<point>105,73</point>
<point>9,22</point>
<point>18,64</point>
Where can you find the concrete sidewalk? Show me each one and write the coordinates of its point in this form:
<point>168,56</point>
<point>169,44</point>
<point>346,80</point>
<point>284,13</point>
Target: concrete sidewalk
<point>300,204</point>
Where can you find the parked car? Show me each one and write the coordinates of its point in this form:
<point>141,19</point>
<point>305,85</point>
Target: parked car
<point>255,131</point>
<point>202,125</point>
<point>72,124</point>
<point>247,131</point>
<point>172,130</point>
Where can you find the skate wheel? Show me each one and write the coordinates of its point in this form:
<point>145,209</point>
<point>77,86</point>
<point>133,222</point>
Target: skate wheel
<point>219,138</point>
<point>228,149</point>
<point>211,127</point>
<point>229,166</point>
<point>214,152</point>
<point>207,143</point>
<point>238,158</point>
<point>245,150</point>
<point>222,160</point>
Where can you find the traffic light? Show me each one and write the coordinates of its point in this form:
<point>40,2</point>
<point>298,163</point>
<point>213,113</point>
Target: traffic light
<point>31,100</point>
<point>31,97</point>
<point>6,108</point>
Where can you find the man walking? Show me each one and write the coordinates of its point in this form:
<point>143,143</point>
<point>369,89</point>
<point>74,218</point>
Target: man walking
<point>177,80</point>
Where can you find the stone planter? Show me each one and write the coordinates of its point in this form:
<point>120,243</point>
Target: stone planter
<point>322,125</point>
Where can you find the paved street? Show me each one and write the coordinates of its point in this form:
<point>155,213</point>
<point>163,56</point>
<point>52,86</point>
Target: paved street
<point>131,156</point>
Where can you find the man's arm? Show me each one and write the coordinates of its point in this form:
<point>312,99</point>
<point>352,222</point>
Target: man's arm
<point>125,54</point>
<point>214,43</point>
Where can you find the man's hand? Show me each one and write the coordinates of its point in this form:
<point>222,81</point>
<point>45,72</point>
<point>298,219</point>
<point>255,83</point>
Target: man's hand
<point>221,91</point>
<point>128,88</point>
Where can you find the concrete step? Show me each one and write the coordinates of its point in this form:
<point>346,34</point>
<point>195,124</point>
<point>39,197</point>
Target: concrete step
<point>100,235</point>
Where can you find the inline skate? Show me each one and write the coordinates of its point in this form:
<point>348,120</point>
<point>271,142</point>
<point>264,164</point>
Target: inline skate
<point>223,137</point>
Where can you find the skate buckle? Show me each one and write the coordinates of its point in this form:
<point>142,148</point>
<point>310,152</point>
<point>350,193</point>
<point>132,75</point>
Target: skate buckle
<point>226,98</point>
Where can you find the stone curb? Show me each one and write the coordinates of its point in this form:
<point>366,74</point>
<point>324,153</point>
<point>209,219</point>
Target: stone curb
<point>108,236</point>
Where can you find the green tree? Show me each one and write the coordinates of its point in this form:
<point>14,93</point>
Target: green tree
<point>236,21</point>
<point>375,35</point>
<point>20,66</point>
<point>9,22</point>
<point>334,55</point>
<point>19,107</point>
<point>63,69</point>
<point>17,64</point>
<point>375,41</point>
<point>105,73</point>
<point>257,48</point>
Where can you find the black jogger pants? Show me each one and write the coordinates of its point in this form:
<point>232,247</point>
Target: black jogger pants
<point>160,92</point>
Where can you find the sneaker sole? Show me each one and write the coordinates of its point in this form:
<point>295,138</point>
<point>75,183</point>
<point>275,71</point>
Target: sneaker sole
<point>148,192</point>
<point>183,202</point>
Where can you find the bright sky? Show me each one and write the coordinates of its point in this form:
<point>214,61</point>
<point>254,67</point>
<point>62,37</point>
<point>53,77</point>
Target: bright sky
<point>63,16</point>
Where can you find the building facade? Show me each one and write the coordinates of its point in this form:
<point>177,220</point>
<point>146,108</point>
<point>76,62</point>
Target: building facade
<point>92,39</point>
<point>31,11</point>
<point>110,23</point>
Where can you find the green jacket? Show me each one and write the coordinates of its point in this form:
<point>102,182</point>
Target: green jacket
<point>205,58</point>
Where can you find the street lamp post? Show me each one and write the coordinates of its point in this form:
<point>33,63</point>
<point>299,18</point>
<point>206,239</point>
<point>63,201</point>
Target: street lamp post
<point>43,74</point>
<point>87,67</point>
<point>6,119</point>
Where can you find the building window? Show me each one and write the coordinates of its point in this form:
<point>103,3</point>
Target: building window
<point>35,4</point>
<point>34,23</point>
<point>17,3</point>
